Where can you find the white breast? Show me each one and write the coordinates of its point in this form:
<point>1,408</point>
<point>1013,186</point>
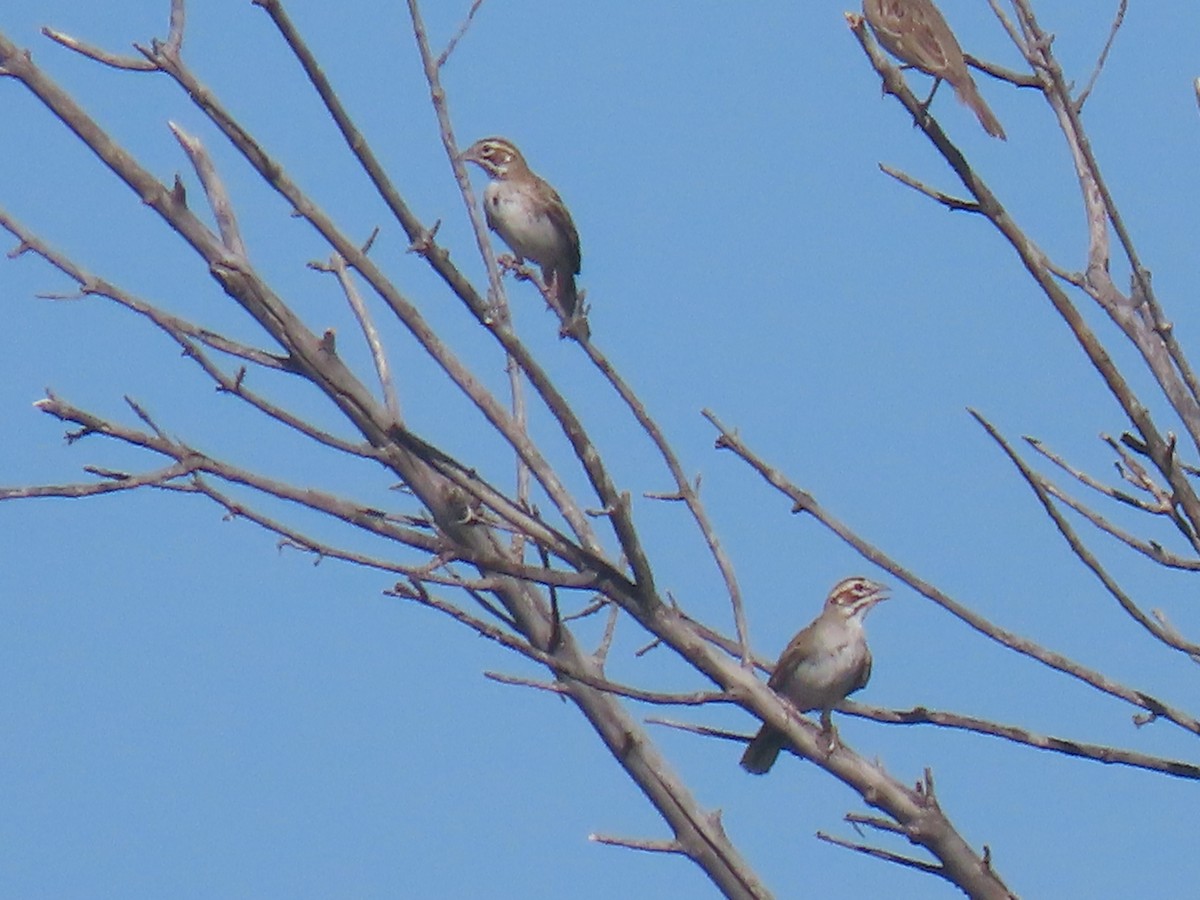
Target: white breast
<point>513,216</point>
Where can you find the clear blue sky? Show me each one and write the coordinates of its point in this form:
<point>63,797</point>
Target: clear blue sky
<point>190,713</point>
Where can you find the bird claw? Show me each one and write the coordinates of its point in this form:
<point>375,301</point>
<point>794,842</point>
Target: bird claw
<point>576,327</point>
<point>516,265</point>
<point>495,312</point>
<point>834,742</point>
<point>830,733</point>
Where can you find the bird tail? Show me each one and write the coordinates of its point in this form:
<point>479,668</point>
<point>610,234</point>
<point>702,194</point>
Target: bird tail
<point>969,94</point>
<point>762,752</point>
<point>567,297</point>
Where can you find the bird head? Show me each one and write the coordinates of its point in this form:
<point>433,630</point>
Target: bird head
<point>853,597</point>
<point>495,155</point>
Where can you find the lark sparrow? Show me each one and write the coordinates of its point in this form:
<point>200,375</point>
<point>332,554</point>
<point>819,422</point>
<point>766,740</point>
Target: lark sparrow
<point>529,216</point>
<point>916,33</point>
<point>821,666</point>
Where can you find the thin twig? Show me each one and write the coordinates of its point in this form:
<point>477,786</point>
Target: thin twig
<point>650,846</point>
<point>187,334</point>
<point>458,35</point>
<point>337,265</point>
<point>512,642</point>
<point>351,513</point>
<point>610,630</point>
<point>552,687</point>
<point>1172,640</point>
<point>702,730</point>
<point>920,715</point>
<point>113,60</point>
<point>655,698</point>
<point>687,492</point>
<point>879,824</point>
<point>214,188</point>
<point>1135,473</point>
<point>158,477</point>
<point>1148,548</point>
<point>951,203</point>
<point>175,28</point>
<point>1108,44</point>
<point>885,855</point>
<point>1087,480</point>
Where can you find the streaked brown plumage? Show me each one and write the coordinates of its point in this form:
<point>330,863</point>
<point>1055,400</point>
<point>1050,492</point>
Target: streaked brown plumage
<point>822,665</point>
<point>529,216</point>
<point>915,32</point>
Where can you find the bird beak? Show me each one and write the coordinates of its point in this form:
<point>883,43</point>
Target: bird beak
<point>468,155</point>
<point>880,592</point>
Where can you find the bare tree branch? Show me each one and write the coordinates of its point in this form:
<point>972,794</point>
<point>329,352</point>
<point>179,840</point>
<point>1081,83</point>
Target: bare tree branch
<point>885,855</point>
<point>337,265</point>
<point>805,502</point>
<point>1103,57</point>
<point>1168,637</point>
<point>458,35</point>
<point>1096,752</point>
<point>650,846</point>
<point>494,547</point>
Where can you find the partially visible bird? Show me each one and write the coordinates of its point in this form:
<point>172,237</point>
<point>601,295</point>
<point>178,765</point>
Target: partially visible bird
<point>821,666</point>
<point>915,32</point>
<point>529,216</point>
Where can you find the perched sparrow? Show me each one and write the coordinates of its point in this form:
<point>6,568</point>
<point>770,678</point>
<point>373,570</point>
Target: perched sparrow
<point>529,216</point>
<point>821,666</point>
<point>915,33</point>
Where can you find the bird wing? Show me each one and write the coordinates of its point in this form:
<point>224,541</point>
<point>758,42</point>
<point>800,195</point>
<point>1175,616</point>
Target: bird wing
<point>793,654</point>
<point>864,674</point>
<point>560,217</point>
<point>918,34</point>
